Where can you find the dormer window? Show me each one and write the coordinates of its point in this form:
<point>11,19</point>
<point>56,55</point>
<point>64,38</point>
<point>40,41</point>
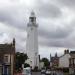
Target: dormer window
<point>6,59</point>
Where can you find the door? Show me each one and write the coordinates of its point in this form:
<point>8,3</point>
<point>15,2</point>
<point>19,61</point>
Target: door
<point>5,70</point>
<point>0,70</point>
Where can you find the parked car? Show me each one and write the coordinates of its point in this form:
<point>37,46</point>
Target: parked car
<point>48,72</point>
<point>43,71</point>
<point>26,71</point>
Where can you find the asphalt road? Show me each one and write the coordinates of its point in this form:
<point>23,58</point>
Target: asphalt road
<point>36,73</point>
<point>39,73</point>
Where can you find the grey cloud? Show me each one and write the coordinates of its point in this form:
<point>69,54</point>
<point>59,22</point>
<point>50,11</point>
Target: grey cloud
<point>7,33</point>
<point>13,17</point>
<point>57,33</point>
<point>61,37</point>
<point>52,43</point>
<point>20,45</point>
<point>69,3</point>
<point>56,37</point>
<point>66,43</point>
<point>48,11</point>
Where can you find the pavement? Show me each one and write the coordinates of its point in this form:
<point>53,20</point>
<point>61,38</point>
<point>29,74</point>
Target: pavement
<point>33,73</point>
<point>36,73</point>
<point>18,74</point>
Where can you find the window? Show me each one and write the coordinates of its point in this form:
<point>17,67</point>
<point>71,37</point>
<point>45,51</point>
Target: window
<point>5,59</point>
<point>36,53</point>
<point>71,61</point>
<point>32,19</point>
<point>31,28</point>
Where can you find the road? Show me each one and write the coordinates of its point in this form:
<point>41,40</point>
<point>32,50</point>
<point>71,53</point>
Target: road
<point>36,73</point>
<point>39,73</point>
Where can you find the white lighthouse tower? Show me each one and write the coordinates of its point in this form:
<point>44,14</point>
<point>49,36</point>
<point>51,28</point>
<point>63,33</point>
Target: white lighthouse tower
<point>32,41</point>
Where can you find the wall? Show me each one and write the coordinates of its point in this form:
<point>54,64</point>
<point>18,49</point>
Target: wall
<point>41,65</point>
<point>64,61</point>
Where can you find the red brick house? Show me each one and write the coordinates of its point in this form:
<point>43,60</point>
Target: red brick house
<point>54,61</point>
<point>7,54</point>
<point>72,62</point>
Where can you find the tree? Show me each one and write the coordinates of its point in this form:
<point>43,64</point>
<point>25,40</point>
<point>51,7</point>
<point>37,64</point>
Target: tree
<point>20,59</point>
<point>26,65</point>
<point>46,62</point>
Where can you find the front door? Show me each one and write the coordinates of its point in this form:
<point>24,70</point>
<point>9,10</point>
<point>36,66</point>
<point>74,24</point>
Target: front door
<point>0,70</point>
<point>5,70</point>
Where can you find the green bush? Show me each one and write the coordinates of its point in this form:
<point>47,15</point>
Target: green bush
<point>66,70</point>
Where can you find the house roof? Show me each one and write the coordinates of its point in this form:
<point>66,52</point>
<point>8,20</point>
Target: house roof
<point>64,55</point>
<point>54,58</point>
<point>6,49</point>
<point>72,52</point>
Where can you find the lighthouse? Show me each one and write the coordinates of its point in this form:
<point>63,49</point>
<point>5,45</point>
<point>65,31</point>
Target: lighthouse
<point>32,42</point>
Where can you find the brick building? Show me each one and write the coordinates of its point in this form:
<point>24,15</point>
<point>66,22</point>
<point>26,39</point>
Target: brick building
<point>54,61</point>
<point>72,62</point>
<point>7,54</point>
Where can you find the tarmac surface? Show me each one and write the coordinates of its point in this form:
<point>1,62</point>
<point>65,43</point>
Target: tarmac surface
<point>38,73</point>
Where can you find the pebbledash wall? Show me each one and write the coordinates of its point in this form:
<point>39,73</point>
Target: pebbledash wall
<point>64,61</point>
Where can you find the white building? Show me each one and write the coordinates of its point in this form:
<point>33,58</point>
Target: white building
<point>41,65</point>
<point>32,41</point>
<point>64,60</point>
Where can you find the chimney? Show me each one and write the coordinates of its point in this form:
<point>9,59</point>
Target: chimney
<point>56,55</point>
<point>13,41</point>
<point>50,57</point>
<point>39,58</point>
<point>65,51</point>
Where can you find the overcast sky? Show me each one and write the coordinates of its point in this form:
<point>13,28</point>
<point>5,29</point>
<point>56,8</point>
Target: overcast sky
<point>56,19</point>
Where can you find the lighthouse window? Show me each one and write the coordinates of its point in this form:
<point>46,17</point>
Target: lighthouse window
<point>32,19</point>
<point>31,28</point>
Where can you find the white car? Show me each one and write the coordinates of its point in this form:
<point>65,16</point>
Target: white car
<point>48,72</point>
<point>26,71</point>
